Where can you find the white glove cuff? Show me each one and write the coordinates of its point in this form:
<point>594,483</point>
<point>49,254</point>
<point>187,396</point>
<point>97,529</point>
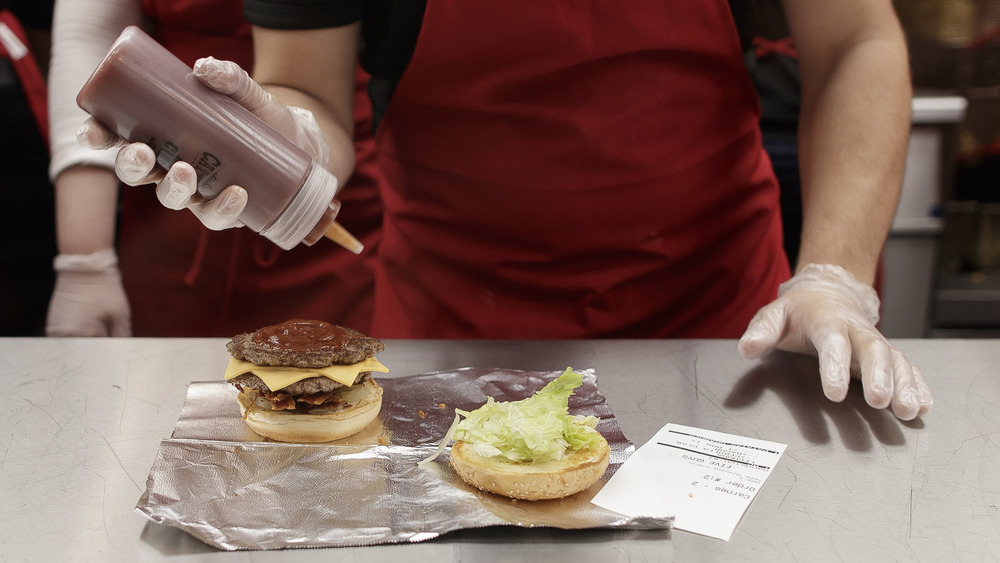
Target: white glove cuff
<point>863,295</point>
<point>100,261</point>
<point>309,136</point>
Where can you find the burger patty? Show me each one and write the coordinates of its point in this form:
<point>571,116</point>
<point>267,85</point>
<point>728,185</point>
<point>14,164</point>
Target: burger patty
<point>310,385</point>
<point>303,344</point>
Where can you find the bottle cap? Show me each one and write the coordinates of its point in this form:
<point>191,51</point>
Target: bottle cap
<point>307,208</point>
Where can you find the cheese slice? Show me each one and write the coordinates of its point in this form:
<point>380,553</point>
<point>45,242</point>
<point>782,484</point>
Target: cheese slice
<point>279,377</point>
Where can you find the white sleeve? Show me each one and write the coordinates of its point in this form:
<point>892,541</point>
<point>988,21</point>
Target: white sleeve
<point>82,33</point>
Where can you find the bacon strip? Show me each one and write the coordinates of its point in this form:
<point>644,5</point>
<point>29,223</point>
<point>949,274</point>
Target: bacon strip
<point>300,403</point>
<point>280,401</point>
<point>317,399</point>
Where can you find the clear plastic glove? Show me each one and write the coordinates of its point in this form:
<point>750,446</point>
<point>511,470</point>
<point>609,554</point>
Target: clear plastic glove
<point>177,187</point>
<point>88,299</point>
<point>826,312</point>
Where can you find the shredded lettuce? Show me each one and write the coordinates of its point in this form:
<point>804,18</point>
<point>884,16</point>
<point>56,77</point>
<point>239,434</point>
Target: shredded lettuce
<point>536,429</point>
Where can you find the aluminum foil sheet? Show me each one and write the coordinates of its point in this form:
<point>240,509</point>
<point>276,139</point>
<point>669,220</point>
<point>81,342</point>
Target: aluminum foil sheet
<point>225,485</point>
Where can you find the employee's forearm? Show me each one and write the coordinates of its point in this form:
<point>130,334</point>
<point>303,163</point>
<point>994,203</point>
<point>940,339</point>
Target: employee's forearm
<point>314,69</point>
<point>337,132</point>
<point>853,134</point>
<point>86,207</point>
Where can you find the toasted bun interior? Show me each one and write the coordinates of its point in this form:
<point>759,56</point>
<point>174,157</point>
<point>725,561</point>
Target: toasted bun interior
<point>286,426</point>
<point>532,481</point>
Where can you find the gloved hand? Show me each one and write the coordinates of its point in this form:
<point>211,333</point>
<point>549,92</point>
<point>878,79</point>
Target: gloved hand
<point>827,312</point>
<point>88,299</point>
<point>177,188</point>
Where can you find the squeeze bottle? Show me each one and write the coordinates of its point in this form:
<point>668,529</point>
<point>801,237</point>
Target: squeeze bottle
<point>145,94</point>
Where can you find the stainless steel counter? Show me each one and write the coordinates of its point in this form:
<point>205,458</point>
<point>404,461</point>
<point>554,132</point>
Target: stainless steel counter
<point>83,418</point>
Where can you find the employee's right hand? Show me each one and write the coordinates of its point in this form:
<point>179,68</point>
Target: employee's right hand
<point>88,299</point>
<point>826,312</point>
<point>176,188</point>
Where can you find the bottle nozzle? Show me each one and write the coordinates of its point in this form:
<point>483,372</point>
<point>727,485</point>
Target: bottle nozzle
<point>341,236</point>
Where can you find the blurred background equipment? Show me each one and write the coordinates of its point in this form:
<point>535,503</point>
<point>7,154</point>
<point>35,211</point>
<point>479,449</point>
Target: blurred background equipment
<point>955,50</point>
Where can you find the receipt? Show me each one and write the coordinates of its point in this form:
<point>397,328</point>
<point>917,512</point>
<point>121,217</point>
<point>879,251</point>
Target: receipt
<point>704,479</point>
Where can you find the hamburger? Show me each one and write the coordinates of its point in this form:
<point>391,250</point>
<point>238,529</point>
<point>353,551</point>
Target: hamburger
<point>531,449</point>
<point>306,380</point>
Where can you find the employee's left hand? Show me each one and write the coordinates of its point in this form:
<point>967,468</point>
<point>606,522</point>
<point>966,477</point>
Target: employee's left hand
<point>827,312</point>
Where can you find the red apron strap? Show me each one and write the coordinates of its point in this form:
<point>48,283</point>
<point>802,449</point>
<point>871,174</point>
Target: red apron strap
<point>764,47</point>
<point>14,46</point>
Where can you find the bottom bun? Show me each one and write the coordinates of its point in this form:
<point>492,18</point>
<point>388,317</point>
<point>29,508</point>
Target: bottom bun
<point>324,426</point>
<point>532,481</point>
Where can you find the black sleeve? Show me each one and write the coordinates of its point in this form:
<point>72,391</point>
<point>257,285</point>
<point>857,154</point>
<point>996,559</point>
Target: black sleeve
<point>31,13</point>
<point>302,14</point>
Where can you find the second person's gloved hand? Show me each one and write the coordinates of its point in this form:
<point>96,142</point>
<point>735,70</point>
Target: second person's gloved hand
<point>88,299</point>
<point>176,188</point>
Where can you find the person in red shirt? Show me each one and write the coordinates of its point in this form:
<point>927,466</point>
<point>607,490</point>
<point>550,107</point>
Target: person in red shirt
<point>558,170</point>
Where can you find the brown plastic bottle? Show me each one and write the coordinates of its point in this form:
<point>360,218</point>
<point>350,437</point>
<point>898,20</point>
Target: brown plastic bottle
<point>146,94</point>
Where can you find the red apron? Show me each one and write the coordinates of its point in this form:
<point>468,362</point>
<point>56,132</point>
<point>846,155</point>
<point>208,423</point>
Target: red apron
<point>575,169</point>
<point>185,280</point>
